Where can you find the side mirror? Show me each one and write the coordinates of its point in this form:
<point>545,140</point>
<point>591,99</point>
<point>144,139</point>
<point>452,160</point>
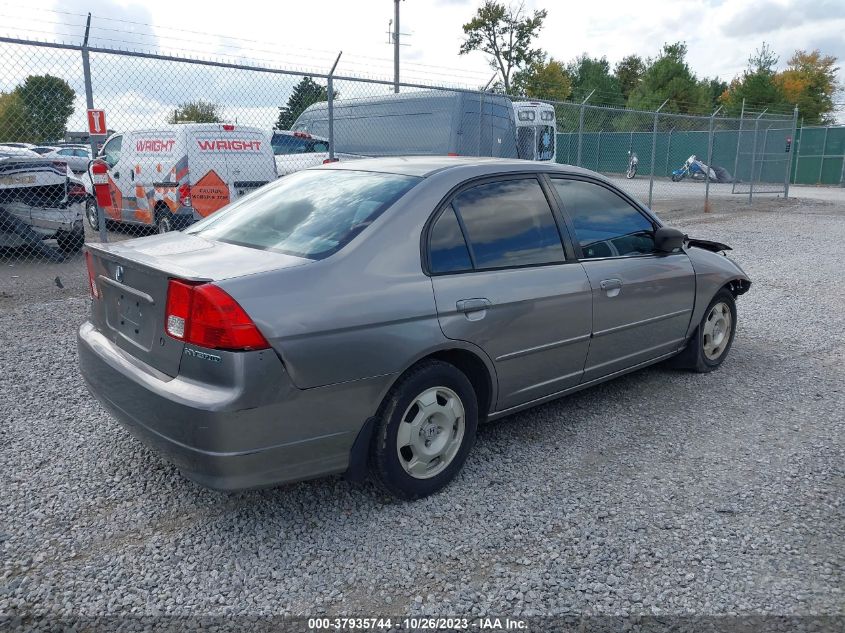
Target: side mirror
<point>667,239</point>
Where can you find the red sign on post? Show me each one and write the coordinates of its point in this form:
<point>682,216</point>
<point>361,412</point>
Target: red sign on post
<point>97,122</point>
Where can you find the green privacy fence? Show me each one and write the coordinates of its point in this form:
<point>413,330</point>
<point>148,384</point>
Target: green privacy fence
<point>819,160</point>
<point>817,153</point>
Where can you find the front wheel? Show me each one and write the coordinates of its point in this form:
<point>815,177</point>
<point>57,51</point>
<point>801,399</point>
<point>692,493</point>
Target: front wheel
<point>712,340</point>
<point>677,177</point>
<point>632,171</point>
<point>426,428</point>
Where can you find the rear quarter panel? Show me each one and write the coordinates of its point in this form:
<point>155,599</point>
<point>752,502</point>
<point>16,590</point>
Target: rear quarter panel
<point>366,311</point>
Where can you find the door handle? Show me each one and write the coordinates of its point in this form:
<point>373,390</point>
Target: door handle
<point>611,286</point>
<point>472,305</point>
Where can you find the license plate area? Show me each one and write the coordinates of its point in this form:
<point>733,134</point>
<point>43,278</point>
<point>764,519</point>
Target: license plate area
<point>130,315</point>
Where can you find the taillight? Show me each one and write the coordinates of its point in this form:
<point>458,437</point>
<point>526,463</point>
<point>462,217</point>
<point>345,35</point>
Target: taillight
<point>185,195</point>
<point>228,127</point>
<point>76,190</point>
<point>204,315</point>
<point>330,160</point>
<point>452,154</point>
<point>92,277</point>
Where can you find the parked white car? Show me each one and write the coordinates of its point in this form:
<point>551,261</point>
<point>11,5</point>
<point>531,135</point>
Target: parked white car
<point>77,157</point>
<point>295,151</point>
<point>170,176</point>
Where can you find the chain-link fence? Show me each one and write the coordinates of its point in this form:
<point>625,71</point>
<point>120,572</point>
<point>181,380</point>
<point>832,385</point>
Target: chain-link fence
<point>181,138</point>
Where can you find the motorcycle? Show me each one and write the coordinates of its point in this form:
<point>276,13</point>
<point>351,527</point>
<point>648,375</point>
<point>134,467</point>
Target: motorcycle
<point>695,169</point>
<point>633,161</point>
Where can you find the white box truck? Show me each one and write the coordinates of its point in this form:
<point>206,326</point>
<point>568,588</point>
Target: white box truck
<point>170,176</point>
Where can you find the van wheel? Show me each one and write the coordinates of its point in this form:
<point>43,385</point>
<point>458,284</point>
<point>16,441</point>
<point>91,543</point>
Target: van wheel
<point>164,221</point>
<point>425,430</point>
<point>91,214</point>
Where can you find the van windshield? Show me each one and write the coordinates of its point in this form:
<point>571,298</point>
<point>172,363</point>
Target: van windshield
<point>310,214</point>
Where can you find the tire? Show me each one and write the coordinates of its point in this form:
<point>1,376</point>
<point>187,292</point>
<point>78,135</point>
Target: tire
<point>632,171</point>
<point>164,221</point>
<point>71,242</point>
<point>712,340</point>
<point>91,214</point>
<point>435,408</point>
<point>677,177</point>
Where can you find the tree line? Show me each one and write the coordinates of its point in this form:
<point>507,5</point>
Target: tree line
<point>506,35</point>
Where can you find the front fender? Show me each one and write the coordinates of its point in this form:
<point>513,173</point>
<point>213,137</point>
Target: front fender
<point>713,272</point>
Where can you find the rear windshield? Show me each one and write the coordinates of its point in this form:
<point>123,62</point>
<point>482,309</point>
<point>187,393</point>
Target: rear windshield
<point>308,214</point>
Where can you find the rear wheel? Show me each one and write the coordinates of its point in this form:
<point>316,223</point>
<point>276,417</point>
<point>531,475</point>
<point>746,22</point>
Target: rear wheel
<point>164,221</point>
<point>70,242</point>
<point>426,428</point>
<point>91,214</point>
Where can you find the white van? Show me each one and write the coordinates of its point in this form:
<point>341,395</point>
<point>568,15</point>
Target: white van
<point>170,176</point>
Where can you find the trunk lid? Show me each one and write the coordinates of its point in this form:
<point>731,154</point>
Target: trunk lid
<point>133,276</point>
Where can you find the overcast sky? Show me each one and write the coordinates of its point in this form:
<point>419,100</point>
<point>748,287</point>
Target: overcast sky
<point>306,35</point>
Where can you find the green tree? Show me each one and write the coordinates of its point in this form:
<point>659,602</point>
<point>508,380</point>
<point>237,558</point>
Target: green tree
<point>669,77</point>
<point>543,80</point>
<point>715,89</point>
<point>505,34</point>
<point>197,112</point>
<point>305,93</point>
<point>47,102</point>
<point>758,85</point>
<point>809,81</point>
<point>593,73</point>
<point>13,122</point>
<point>629,72</point>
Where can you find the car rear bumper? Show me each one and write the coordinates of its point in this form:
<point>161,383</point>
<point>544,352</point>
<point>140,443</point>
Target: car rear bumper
<point>246,426</point>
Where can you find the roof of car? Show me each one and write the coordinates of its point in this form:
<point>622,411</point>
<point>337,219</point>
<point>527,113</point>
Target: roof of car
<point>427,165</point>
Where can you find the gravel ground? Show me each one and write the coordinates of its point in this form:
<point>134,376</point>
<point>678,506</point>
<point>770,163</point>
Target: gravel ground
<point>662,492</point>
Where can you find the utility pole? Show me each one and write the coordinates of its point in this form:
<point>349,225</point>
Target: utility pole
<point>396,45</point>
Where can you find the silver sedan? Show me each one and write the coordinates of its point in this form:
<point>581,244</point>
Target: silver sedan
<point>369,315</point>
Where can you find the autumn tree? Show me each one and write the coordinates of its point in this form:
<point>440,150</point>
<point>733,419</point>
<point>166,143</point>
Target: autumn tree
<point>505,34</point>
<point>809,81</point>
<point>197,112</point>
<point>13,126</point>
<point>543,80</point>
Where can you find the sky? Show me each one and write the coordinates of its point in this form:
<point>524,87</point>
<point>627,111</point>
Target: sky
<point>307,36</point>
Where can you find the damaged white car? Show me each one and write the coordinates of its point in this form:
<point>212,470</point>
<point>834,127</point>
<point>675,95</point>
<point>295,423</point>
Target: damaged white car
<point>40,200</point>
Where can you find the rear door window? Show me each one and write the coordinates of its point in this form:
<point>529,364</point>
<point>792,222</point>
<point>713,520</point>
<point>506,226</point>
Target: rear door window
<point>509,223</point>
<point>448,252</point>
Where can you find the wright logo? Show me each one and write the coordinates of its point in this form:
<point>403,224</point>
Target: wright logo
<point>234,145</point>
